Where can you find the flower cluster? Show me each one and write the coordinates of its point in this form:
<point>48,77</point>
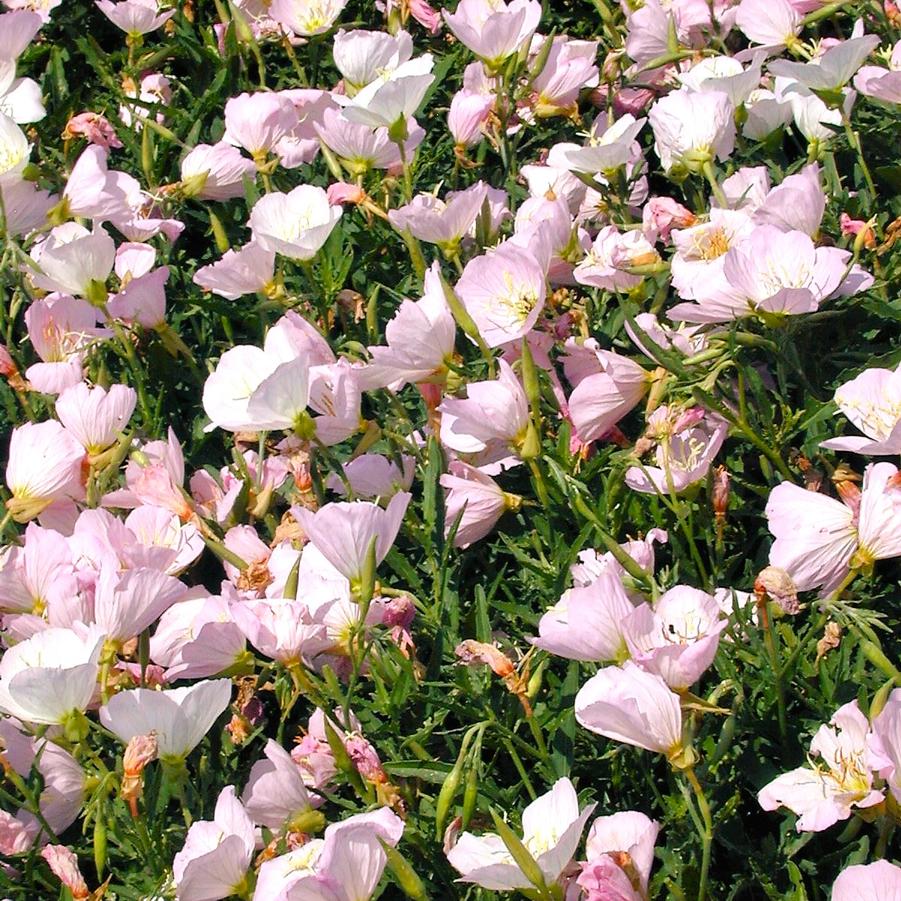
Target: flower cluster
<point>409,407</point>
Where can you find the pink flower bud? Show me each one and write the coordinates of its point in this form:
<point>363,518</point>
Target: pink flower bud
<point>342,192</point>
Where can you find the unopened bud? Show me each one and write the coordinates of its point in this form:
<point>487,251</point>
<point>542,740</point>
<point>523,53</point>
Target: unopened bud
<point>138,753</point>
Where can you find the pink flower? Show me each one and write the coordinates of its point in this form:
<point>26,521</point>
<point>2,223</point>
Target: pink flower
<point>51,676</point>
<point>63,791</point>
<point>275,794</point>
<point>492,419</point>
<point>687,443</point>
<point>882,84</point>
<point>248,270</point>
<point>625,840</point>
<point>438,222</point>
<point>775,23</point>
<point>701,251</point>
<point>504,291</point>
<point>306,17</point>
<point>257,122</point>
<point>692,127</point>
<point>818,538</point>
<point>825,792</point>
<point>678,637</point>
<point>344,532</point>
<point>38,576</point>
<point>628,704</point>
<point>96,129</point>
<point>797,204</point>
<point>610,257</point>
<point>662,214</point>
<point>345,865</point>
<point>73,260</point>
<point>587,622</point>
<point>474,502</point>
<point>14,151</point>
<point>361,147</point>
<point>216,172</point>
<point>552,828</point>
<point>197,638</point>
<point>493,31</point>
<point>569,68</point>
<point>282,629</point>
<point>180,717</point>
<point>420,340</point>
<point>373,476</point>
<point>467,117</point>
<point>94,416</point>
<point>135,17</point>
<point>884,743</point>
<point>394,97</point>
<point>833,69</point>
<point>125,604</point>
<point>607,386</point>
<point>362,56</point>
<point>872,401</point>
<point>44,466</point>
<point>217,854</point>
<point>26,206</point>
<point>295,225</point>
<point>880,880</point>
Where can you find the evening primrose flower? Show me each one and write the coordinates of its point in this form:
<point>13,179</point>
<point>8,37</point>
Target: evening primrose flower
<point>50,677</point>
<point>217,853</point>
<point>819,539</point>
<point>343,532</point>
<point>44,466</point>
<point>837,779</point>
<point>691,128</point>
<point>180,717</point>
<point>872,401</point>
<point>504,291</point>
<point>306,17</point>
<point>880,880</point>
<point>494,29</point>
<point>552,827</point>
<point>135,17</point>
<point>628,704</point>
<point>295,225</point>
<point>14,151</point>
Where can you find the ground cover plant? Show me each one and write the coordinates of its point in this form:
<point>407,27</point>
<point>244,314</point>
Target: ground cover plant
<point>450,452</point>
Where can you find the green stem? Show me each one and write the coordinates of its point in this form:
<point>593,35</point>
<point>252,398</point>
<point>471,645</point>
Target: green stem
<point>706,834</point>
<point>769,641</point>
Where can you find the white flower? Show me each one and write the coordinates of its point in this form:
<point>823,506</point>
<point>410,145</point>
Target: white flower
<point>180,717</point>
<point>296,224</point>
